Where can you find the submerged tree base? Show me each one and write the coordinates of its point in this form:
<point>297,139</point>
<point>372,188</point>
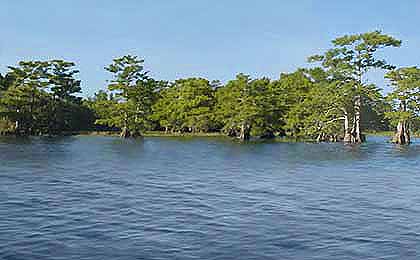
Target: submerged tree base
<point>322,137</point>
<point>354,138</point>
<point>403,135</point>
<point>125,133</point>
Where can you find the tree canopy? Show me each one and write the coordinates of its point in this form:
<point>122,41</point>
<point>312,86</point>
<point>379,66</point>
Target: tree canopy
<point>134,94</point>
<point>348,61</point>
<point>331,102</point>
<point>405,98</point>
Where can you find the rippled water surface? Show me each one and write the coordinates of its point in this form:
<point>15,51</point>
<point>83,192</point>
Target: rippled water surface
<point>207,198</point>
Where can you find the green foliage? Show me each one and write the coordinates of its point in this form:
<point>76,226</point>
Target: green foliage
<point>314,103</point>
<point>24,99</point>
<point>325,103</point>
<point>187,105</point>
<point>134,92</point>
<point>250,104</point>
<point>5,82</point>
<point>348,61</point>
<point>353,55</point>
<point>64,105</point>
<point>317,113</point>
<point>405,96</point>
<point>63,83</point>
<point>39,97</point>
<point>101,104</point>
<point>374,112</point>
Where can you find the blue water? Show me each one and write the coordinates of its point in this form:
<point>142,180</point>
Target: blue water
<point>207,198</point>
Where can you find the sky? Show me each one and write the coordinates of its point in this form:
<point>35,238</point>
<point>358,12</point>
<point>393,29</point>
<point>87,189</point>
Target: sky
<point>214,39</point>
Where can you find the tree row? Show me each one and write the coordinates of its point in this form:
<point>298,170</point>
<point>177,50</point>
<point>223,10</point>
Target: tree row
<point>331,100</point>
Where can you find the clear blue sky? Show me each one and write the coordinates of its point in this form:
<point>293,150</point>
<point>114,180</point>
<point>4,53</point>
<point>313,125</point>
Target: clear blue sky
<point>210,38</point>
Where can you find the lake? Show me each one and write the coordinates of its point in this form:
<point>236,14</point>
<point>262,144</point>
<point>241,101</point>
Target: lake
<point>207,198</point>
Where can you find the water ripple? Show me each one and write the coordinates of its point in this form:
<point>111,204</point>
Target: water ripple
<point>207,198</point>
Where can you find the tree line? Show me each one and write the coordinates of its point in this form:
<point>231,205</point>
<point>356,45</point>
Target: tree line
<point>328,101</point>
<point>39,97</point>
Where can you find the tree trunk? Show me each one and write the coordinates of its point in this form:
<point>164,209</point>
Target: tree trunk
<point>321,137</point>
<point>17,123</point>
<point>347,131</point>
<point>17,128</point>
<point>20,127</point>
<point>357,136</point>
<point>402,135</point>
<point>357,132</point>
<point>231,132</point>
<point>354,136</point>
<point>245,133</point>
<point>333,138</point>
<point>125,133</point>
<point>31,113</point>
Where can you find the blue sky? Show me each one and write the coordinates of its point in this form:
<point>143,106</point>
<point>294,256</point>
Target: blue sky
<point>190,38</point>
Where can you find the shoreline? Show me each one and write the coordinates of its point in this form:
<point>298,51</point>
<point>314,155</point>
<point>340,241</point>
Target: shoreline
<point>390,134</point>
<point>149,134</point>
<point>189,135</point>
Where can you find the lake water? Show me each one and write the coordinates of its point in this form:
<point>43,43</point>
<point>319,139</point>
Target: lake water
<point>207,198</point>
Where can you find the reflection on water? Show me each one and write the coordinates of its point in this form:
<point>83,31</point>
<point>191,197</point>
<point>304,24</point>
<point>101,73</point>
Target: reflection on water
<point>207,198</point>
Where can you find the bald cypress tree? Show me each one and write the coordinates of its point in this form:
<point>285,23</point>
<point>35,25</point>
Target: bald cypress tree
<point>134,91</point>
<point>187,105</point>
<point>405,97</point>
<point>24,98</point>
<point>351,57</point>
<point>246,106</point>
